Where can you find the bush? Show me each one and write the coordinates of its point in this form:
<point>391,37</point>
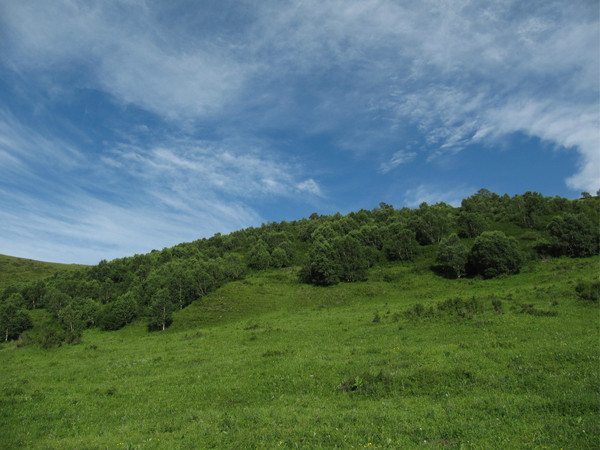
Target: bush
<point>118,314</point>
<point>588,290</point>
<point>462,308</point>
<point>494,254</point>
<point>52,337</point>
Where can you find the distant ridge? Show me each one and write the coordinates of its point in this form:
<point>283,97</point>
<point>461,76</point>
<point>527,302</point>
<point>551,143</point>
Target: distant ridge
<point>15,270</point>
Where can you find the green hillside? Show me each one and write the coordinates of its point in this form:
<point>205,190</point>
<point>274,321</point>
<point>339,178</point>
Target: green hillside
<point>17,270</point>
<point>270,362</point>
<point>450,327</point>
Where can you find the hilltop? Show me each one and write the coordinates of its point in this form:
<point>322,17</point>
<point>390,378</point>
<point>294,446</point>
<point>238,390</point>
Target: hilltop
<point>451,327</point>
<point>488,236</point>
<point>18,270</point>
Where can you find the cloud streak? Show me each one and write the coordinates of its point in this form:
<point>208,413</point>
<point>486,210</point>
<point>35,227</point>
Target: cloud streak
<point>212,111</point>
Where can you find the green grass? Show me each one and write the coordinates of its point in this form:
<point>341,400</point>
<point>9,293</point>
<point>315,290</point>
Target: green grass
<point>16,270</point>
<point>268,362</point>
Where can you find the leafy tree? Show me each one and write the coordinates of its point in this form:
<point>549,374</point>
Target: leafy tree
<point>494,254</point>
<point>34,293</point>
<point>202,277</point>
<point>351,258</point>
<point>234,267</point>
<point>372,235</point>
<point>470,224</point>
<point>259,258</point>
<point>400,244</point>
<point>279,257</point>
<point>119,313</point>
<point>18,299</point>
<point>79,314</point>
<point>452,256</point>
<point>55,300</point>
<point>323,268</point>
<point>574,235</point>
<point>432,223</point>
<point>161,309</point>
<point>13,320</point>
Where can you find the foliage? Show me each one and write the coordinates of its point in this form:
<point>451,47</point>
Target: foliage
<point>494,254</point>
<point>161,311</point>
<point>79,314</point>
<point>470,224</point>
<point>351,258</point>
<point>13,319</point>
<point>259,258</point>
<point>574,235</point>
<point>118,314</point>
<point>452,256</point>
<point>324,250</point>
<point>322,268</point>
<point>399,243</point>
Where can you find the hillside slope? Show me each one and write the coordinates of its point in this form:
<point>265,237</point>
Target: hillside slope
<point>17,270</point>
<point>270,362</point>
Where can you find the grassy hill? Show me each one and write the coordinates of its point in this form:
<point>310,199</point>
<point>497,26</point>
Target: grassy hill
<point>269,362</point>
<point>449,327</point>
<point>15,270</point>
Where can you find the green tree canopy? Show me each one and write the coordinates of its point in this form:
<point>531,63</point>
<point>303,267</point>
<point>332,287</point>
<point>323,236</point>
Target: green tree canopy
<point>452,256</point>
<point>323,268</point>
<point>161,310</point>
<point>494,254</point>
<point>13,320</point>
<point>573,235</point>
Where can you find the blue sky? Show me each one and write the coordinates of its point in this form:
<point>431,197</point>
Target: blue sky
<point>128,125</point>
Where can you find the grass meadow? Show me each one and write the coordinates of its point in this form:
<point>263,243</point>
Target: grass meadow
<point>268,362</point>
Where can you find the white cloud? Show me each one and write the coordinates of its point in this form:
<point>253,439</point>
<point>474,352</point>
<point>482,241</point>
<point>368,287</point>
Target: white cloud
<point>360,72</point>
<point>398,158</point>
<point>122,48</point>
<point>449,68</point>
<point>132,199</point>
<point>571,126</point>
<point>310,186</point>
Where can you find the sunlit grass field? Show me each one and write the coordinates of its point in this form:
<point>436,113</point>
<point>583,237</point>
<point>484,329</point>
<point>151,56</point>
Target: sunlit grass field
<point>268,362</point>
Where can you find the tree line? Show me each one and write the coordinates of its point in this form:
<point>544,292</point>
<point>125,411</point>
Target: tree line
<point>488,235</point>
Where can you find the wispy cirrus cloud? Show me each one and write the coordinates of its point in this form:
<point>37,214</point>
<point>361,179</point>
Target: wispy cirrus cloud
<point>132,198</point>
<point>206,112</point>
<point>397,159</point>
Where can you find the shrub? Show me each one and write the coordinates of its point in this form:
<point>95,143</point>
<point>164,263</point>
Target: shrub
<point>118,314</point>
<point>588,290</point>
<point>494,254</point>
<point>462,308</point>
<point>52,337</point>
